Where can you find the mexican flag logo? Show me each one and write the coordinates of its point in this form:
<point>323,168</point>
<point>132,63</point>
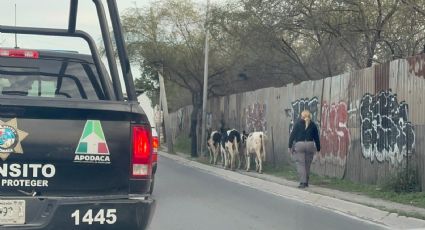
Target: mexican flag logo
<point>92,147</point>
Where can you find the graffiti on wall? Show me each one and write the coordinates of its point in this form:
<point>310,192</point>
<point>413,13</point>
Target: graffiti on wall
<point>334,134</point>
<point>303,104</point>
<point>386,133</point>
<point>256,117</point>
<point>300,105</point>
<point>417,65</point>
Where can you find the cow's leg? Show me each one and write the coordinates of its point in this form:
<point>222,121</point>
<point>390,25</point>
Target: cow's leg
<point>240,157</point>
<point>256,163</point>
<point>215,155</point>
<point>248,161</point>
<point>211,154</point>
<point>233,166</point>
<point>226,157</point>
<point>232,158</point>
<point>239,161</point>
<point>235,157</point>
<point>222,155</point>
<point>243,161</point>
<point>229,159</point>
<point>224,152</point>
<point>260,164</point>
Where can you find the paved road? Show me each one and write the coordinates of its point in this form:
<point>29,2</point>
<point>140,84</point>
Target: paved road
<point>189,198</point>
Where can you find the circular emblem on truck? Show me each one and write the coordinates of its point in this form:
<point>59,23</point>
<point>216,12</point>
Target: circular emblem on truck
<point>8,137</point>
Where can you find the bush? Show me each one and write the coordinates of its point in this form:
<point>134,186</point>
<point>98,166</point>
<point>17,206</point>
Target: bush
<point>404,181</point>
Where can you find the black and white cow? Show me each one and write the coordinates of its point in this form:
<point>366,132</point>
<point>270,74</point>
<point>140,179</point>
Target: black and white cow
<point>223,152</point>
<point>231,147</point>
<point>242,149</point>
<point>214,146</point>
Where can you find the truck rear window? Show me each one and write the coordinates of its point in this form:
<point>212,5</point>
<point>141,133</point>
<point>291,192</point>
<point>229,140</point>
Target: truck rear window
<point>50,78</point>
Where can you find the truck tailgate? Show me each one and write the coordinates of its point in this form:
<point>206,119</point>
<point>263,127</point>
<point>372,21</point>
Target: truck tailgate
<point>53,151</point>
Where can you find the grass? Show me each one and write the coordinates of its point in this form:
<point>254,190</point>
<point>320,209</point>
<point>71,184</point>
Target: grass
<point>415,198</point>
<point>286,171</point>
<point>182,144</point>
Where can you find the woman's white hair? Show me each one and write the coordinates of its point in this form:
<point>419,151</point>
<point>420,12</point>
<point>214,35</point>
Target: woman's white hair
<point>306,114</point>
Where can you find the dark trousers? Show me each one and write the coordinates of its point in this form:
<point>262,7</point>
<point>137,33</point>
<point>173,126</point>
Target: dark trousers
<point>304,152</point>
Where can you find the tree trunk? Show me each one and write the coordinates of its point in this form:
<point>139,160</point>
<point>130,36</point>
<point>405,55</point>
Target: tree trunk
<point>194,121</point>
<point>371,53</point>
<point>194,138</point>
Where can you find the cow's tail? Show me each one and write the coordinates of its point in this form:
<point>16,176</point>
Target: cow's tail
<point>263,146</point>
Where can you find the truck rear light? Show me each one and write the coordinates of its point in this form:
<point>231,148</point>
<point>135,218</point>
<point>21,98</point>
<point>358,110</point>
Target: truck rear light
<point>18,53</point>
<point>155,145</point>
<point>141,152</point>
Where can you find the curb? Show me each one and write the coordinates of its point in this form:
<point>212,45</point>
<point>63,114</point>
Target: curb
<point>352,197</point>
<point>309,196</point>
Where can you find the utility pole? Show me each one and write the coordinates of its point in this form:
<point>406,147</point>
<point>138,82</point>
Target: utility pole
<point>205,91</point>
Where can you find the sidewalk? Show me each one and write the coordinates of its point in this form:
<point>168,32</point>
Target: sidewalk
<point>354,205</point>
<point>352,197</point>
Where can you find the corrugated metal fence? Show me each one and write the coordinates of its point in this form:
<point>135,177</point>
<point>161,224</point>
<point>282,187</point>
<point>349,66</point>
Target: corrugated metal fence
<point>371,120</point>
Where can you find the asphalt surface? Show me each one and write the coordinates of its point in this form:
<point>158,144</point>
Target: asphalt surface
<point>189,198</point>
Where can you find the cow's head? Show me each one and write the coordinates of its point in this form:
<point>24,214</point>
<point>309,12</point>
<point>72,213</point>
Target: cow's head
<point>244,136</point>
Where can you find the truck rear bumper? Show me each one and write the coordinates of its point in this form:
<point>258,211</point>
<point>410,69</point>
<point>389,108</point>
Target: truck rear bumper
<point>86,213</point>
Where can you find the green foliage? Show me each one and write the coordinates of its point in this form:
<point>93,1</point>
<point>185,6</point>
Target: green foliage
<point>256,44</point>
<point>182,144</point>
<point>287,171</point>
<point>169,37</point>
<point>304,39</point>
<point>148,83</point>
<point>404,181</point>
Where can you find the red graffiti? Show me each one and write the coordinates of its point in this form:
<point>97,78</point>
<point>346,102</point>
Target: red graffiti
<point>256,117</point>
<point>417,65</point>
<point>334,135</point>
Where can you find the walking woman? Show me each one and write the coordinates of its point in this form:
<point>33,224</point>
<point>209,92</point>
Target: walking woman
<point>304,142</point>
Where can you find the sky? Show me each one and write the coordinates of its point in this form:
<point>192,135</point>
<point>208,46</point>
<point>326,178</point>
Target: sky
<point>54,14</point>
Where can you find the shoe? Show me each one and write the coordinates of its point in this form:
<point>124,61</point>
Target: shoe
<point>306,184</point>
<point>302,185</point>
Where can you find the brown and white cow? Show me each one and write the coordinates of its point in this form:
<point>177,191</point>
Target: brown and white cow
<point>255,144</point>
<point>214,147</point>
